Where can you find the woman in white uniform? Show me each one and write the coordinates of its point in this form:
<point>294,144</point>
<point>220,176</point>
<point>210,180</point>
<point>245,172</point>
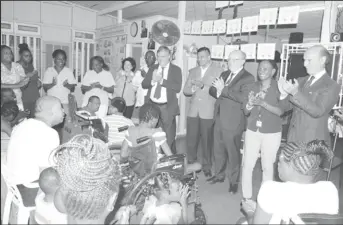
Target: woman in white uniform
<point>98,82</point>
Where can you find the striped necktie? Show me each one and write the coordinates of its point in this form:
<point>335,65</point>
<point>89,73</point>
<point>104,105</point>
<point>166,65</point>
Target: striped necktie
<point>229,78</point>
<point>309,82</point>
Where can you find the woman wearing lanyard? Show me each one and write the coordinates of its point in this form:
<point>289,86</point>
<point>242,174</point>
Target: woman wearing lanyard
<point>98,82</point>
<point>263,133</point>
<point>125,88</point>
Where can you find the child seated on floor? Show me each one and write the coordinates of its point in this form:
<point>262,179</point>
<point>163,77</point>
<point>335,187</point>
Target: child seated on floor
<point>167,205</point>
<point>46,212</point>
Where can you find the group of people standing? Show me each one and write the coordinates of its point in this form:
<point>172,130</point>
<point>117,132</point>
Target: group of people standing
<point>224,104</point>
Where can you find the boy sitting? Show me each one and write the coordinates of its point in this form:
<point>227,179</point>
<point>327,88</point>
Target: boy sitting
<point>46,212</point>
<point>116,120</point>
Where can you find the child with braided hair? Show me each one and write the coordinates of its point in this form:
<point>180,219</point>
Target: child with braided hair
<point>168,205</point>
<point>298,166</point>
<point>90,180</point>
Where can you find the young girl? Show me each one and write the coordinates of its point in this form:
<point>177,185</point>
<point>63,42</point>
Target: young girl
<point>166,206</point>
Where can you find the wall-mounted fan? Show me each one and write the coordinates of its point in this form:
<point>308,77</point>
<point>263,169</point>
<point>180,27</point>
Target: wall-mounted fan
<point>165,32</point>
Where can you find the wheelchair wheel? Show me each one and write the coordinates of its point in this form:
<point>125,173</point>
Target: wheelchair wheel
<point>242,220</point>
<point>144,188</point>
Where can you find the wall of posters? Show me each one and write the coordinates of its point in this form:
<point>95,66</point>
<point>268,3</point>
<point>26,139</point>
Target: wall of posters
<point>112,49</point>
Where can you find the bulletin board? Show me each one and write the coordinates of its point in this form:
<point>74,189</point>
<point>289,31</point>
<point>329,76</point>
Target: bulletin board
<point>110,44</point>
<point>112,49</point>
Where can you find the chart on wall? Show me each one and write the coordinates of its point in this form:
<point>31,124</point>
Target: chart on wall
<point>112,49</point>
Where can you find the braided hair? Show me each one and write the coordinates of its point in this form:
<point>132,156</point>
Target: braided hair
<point>307,159</point>
<point>148,112</point>
<point>89,176</point>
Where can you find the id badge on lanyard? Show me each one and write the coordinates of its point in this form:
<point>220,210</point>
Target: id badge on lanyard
<point>259,122</point>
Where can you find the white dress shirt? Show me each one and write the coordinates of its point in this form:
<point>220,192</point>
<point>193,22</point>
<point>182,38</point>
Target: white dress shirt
<point>317,76</point>
<point>163,98</point>
<point>203,70</point>
<point>228,80</point>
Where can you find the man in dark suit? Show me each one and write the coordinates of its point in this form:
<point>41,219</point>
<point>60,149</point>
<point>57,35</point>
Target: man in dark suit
<point>200,112</point>
<point>311,98</point>
<point>230,90</point>
<point>163,82</point>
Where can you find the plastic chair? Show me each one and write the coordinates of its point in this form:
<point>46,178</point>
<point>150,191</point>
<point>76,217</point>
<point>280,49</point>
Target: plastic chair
<point>13,195</point>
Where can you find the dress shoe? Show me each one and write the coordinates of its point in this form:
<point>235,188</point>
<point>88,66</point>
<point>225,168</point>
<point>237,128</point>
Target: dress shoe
<point>233,188</point>
<point>214,180</point>
<point>207,173</point>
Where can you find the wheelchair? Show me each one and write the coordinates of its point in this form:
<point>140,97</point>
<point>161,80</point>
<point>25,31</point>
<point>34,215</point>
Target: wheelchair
<point>304,218</point>
<point>144,165</point>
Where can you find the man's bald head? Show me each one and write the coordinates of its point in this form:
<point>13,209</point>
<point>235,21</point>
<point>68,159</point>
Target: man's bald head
<point>236,60</point>
<point>49,109</point>
<point>315,59</point>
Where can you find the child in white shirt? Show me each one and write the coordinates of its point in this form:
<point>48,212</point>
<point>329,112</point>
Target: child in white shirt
<point>46,212</point>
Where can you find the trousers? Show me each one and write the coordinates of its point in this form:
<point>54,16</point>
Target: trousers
<point>255,143</point>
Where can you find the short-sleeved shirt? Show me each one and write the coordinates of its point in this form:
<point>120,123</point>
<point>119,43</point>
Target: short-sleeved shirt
<point>29,149</point>
<point>105,78</point>
<point>114,122</point>
<point>286,200</point>
<point>46,212</point>
<point>59,91</point>
<point>271,123</point>
<point>13,76</point>
<point>125,89</point>
<point>137,81</point>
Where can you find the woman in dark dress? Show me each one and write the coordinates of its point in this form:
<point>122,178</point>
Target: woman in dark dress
<point>31,90</point>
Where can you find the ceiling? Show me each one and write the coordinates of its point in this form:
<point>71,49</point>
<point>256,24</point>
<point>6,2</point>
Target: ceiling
<point>309,22</point>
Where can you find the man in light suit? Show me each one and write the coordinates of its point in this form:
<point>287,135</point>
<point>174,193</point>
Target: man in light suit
<point>200,114</point>
<point>163,82</point>
<point>311,98</point>
<point>230,89</point>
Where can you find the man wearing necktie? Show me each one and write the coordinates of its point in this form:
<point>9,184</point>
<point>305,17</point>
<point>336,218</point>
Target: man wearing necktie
<point>230,90</point>
<point>311,98</point>
<point>200,110</point>
<point>163,82</point>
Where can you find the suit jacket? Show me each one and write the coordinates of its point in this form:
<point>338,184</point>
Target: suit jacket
<point>201,102</point>
<point>311,107</point>
<point>229,104</point>
<point>173,85</point>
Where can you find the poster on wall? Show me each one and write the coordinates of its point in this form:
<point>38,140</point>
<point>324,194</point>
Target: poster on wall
<point>112,49</point>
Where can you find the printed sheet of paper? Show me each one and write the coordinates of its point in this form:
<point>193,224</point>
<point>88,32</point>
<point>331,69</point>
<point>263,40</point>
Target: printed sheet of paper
<point>217,52</point>
<point>222,4</point>
<point>288,15</point>
<point>236,2</point>
<point>234,26</point>
<point>229,49</point>
<point>187,27</point>
<point>268,16</point>
<point>266,51</point>
<point>207,27</point>
<point>249,50</point>
<point>250,24</point>
<point>219,26</point>
<point>196,27</point>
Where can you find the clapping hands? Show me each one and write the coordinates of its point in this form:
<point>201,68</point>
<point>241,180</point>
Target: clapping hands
<point>218,83</point>
<point>156,76</point>
<point>288,87</point>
